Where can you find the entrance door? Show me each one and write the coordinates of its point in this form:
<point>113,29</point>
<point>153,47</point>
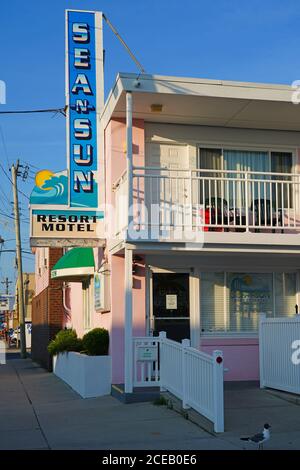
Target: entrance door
<point>171,305</point>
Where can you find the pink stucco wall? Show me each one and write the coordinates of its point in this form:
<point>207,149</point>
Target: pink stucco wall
<point>115,146</point>
<point>74,302</point>
<point>241,356</point>
<point>115,152</point>
<point>113,321</point>
<point>118,311</point>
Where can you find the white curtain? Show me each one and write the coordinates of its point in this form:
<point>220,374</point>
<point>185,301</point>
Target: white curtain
<point>243,160</point>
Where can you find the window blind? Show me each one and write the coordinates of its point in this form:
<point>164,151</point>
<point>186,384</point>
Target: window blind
<point>212,302</point>
<point>285,294</point>
<point>233,302</point>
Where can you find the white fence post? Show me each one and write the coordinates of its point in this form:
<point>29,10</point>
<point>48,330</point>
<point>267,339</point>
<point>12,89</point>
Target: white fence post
<point>2,352</point>
<point>162,337</point>
<point>261,346</point>
<point>218,391</point>
<point>185,343</point>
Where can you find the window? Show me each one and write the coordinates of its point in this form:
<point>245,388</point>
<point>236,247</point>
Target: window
<point>285,293</point>
<point>209,159</point>
<point>102,289</point>
<point>233,302</point>
<point>212,302</point>
<point>282,162</point>
<point>259,163</point>
<point>248,296</point>
<point>87,303</point>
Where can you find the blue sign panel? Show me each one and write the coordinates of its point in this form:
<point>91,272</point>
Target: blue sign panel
<point>82,105</point>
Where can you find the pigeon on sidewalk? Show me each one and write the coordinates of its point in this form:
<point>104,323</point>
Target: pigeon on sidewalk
<point>259,438</point>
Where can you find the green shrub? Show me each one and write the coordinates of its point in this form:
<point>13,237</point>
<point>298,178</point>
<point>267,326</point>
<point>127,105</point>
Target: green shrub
<point>160,401</point>
<point>65,340</point>
<point>96,342</point>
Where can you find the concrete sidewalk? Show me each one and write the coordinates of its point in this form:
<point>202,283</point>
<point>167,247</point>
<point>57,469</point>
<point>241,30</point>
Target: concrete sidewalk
<point>247,408</point>
<point>38,411</point>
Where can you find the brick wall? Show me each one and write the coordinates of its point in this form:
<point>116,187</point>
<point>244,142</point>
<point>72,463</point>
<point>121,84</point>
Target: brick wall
<point>47,314</point>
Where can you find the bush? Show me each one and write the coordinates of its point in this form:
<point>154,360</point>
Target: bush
<point>160,401</point>
<point>65,340</point>
<point>96,342</point>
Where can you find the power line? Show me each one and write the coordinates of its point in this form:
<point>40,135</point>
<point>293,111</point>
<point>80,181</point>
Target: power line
<point>27,257</point>
<point>13,251</point>
<point>6,225</point>
<point>4,146</point>
<point>32,166</point>
<point>13,240</point>
<point>7,176</point>
<point>11,217</point>
<point>31,111</point>
<point>5,196</point>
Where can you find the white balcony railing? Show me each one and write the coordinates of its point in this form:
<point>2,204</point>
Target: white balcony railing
<point>170,200</point>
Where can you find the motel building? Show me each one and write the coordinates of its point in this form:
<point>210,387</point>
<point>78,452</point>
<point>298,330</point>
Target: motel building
<point>199,190</point>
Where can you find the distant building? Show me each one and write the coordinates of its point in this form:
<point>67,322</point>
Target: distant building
<point>14,315</point>
<point>29,290</point>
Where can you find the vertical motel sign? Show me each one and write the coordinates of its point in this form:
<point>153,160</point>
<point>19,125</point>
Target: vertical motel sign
<point>84,99</point>
<point>64,206</point>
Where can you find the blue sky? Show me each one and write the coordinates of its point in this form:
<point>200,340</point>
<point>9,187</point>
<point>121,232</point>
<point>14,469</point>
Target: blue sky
<point>223,39</point>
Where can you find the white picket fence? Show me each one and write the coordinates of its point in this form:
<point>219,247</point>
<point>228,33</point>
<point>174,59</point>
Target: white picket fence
<point>279,353</point>
<point>194,377</point>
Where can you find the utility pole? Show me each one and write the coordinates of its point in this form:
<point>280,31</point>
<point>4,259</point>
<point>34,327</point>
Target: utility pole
<point>6,282</point>
<point>14,174</point>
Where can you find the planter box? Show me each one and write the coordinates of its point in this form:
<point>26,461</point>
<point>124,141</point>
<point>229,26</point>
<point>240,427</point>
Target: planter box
<point>90,376</point>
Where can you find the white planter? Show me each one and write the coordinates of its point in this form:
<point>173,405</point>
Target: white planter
<point>90,376</point>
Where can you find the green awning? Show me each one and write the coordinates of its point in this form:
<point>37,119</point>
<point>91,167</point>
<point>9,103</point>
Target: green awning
<point>74,265</point>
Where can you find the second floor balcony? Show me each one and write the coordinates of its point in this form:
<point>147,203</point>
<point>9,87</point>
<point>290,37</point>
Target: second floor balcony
<point>196,205</point>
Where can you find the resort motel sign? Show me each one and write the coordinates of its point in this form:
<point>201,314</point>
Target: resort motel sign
<point>64,205</point>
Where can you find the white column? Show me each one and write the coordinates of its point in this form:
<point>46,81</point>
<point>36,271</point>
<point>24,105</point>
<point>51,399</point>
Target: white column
<point>195,308</point>
<point>129,156</point>
<point>261,346</point>
<point>128,371</point>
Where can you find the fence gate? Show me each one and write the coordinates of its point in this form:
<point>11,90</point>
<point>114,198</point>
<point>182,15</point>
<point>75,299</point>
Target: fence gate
<point>279,353</point>
<point>196,378</point>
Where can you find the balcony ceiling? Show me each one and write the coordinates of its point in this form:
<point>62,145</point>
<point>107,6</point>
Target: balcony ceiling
<point>205,102</point>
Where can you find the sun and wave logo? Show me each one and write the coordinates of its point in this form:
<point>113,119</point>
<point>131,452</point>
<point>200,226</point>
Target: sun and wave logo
<point>50,188</point>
